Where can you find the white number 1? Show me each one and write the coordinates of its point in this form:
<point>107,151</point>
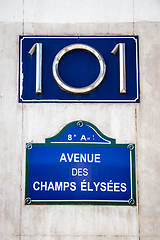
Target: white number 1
<point>38,48</point>
<point>122,65</point>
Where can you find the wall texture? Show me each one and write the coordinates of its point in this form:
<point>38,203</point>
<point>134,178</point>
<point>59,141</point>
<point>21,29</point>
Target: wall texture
<point>137,123</point>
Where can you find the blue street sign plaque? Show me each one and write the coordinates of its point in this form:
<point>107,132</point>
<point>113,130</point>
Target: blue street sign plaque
<point>79,69</point>
<point>80,165</point>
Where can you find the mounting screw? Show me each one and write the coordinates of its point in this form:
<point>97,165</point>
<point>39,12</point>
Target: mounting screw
<point>80,124</point>
<point>130,147</point>
<point>28,200</point>
<point>29,146</point>
<point>131,201</point>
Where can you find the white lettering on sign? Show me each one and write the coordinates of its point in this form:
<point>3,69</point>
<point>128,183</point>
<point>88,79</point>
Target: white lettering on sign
<point>84,185</point>
<point>54,186</point>
<point>69,137</point>
<point>36,186</point>
<point>103,186</point>
<point>43,186</point>
<point>83,138</point>
<point>80,157</point>
<point>80,172</point>
<point>123,187</point>
<point>96,185</point>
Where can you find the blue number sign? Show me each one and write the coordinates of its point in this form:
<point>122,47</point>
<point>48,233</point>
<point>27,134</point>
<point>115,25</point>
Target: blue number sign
<point>80,165</point>
<point>78,69</point>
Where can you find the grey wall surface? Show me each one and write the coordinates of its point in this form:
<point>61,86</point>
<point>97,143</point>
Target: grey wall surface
<point>137,123</point>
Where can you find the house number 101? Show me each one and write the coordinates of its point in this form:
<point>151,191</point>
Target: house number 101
<point>122,68</point>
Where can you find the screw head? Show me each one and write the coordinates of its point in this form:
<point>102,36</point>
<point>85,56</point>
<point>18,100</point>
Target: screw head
<point>29,146</point>
<point>80,124</point>
<point>131,201</point>
<point>28,200</point>
<point>130,147</point>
